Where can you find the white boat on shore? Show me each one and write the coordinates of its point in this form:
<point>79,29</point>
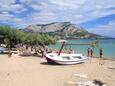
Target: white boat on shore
<point>65,58</point>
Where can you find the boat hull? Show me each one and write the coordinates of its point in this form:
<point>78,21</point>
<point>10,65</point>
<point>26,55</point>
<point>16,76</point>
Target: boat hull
<point>51,61</point>
<point>63,62</point>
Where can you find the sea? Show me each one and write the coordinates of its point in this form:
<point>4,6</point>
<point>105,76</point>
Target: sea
<point>108,46</point>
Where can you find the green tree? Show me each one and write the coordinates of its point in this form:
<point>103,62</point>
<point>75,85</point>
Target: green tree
<point>12,36</point>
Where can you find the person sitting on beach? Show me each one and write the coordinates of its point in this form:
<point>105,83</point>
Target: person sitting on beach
<point>9,54</point>
<point>50,50</point>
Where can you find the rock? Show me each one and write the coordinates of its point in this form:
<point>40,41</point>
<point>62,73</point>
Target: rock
<point>79,75</point>
<point>90,83</point>
<point>86,83</point>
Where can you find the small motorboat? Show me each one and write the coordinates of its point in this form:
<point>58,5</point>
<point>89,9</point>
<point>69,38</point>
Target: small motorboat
<point>64,58</point>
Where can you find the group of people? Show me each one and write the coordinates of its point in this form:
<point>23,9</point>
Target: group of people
<point>90,52</point>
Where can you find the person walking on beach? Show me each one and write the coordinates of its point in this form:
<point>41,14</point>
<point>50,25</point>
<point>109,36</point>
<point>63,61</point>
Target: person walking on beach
<point>101,56</point>
<point>90,53</point>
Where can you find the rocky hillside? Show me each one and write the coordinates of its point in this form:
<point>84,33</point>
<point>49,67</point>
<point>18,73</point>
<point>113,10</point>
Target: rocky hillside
<point>62,29</point>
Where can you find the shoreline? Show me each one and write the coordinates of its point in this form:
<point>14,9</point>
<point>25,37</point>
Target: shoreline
<point>105,58</point>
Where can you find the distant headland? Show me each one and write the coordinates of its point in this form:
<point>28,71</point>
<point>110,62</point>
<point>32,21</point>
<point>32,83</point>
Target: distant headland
<point>62,30</point>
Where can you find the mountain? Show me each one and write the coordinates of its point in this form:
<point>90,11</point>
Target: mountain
<point>62,29</point>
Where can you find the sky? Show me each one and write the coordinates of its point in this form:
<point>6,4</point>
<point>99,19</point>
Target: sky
<point>96,16</point>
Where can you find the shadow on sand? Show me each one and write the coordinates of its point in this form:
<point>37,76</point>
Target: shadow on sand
<point>54,64</point>
<point>51,64</point>
<point>111,68</point>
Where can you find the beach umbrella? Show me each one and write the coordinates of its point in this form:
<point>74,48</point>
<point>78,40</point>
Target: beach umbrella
<point>62,41</point>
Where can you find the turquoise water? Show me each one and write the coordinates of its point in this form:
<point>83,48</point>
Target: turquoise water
<point>108,46</point>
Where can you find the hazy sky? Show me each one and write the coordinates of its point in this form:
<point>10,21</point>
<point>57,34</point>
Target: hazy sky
<point>97,16</point>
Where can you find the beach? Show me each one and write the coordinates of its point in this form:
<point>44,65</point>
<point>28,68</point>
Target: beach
<point>34,71</point>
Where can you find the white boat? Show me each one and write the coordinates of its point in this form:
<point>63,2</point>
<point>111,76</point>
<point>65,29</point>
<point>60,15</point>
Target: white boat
<point>65,58</point>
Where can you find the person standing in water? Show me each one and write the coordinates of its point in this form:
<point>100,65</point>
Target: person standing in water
<point>101,52</point>
<point>91,52</point>
<point>88,52</point>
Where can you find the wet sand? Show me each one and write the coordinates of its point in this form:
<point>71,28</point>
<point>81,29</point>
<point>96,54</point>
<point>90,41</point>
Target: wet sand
<point>34,71</point>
